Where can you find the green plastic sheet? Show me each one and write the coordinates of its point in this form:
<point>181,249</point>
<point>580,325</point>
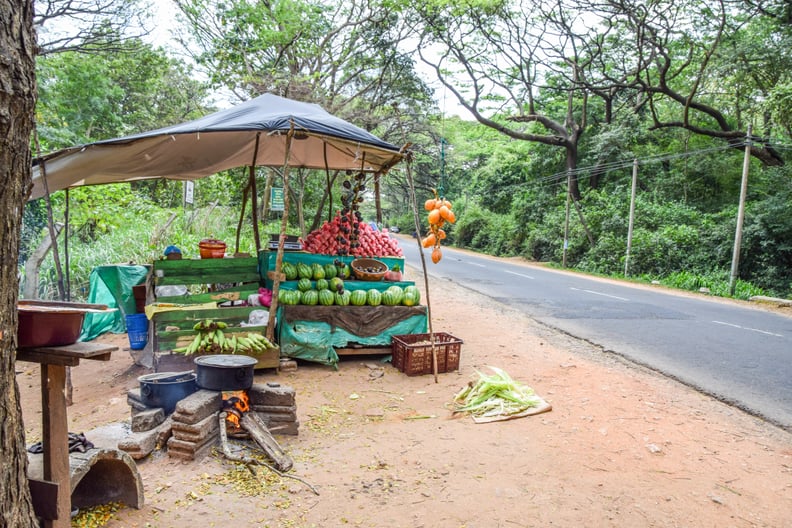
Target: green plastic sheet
<point>111,285</point>
<point>316,341</point>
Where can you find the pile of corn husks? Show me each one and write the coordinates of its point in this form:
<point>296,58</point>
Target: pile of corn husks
<point>496,395</point>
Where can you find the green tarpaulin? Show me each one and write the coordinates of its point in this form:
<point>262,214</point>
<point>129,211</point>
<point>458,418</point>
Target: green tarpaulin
<point>316,337</point>
<point>112,285</point>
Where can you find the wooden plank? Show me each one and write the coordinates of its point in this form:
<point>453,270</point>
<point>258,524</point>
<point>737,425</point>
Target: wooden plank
<point>205,264</point>
<point>220,277</point>
<point>68,355</point>
<point>236,293</point>
<point>44,495</point>
<point>206,271</point>
<point>55,440</point>
<point>235,314</point>
<point>363,351</point>
<point>253,424</point>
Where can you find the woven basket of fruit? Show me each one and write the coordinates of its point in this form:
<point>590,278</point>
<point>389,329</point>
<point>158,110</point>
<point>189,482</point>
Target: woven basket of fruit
<point>368,269</point>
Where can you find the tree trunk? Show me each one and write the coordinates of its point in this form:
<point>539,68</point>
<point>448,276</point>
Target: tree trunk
<point>17,104</point>
<point>33,264</point>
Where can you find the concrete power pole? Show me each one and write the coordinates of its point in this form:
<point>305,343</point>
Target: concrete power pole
<point>735,267</point>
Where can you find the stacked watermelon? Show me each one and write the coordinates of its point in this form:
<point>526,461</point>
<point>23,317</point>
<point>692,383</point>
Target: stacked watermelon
<point>332,293</point>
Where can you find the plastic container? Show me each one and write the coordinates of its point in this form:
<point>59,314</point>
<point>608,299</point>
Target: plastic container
<point>51,323</point>
<point>137,329</point>
<point>412,353</point>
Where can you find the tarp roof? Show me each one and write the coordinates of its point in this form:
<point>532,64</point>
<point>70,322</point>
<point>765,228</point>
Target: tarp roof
<point>221,141</point>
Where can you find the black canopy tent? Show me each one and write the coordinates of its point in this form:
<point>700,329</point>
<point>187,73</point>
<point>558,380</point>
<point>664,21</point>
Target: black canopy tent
<point>265,131</point>
<point>252,133</point>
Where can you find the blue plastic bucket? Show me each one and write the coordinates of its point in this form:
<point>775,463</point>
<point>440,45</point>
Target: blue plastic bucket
<point>137,329</point>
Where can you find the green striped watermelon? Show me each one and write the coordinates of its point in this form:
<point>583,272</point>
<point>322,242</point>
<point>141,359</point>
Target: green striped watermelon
<point>304,270</point>
<point>342,297</point>
<point>310,297</point>
<point>373,297</point>
<point>412,296</point>
<point>389,298</point>
<point>326,298</point>
<point>358,298</point>
<point>322,284</point>
<point>317,271</point>
<point>304,284</point>
<point>290,270</point>
<point>398,293</point>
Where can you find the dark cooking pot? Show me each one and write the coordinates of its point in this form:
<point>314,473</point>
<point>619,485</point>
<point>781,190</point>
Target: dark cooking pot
<point>166,389</point>
<point>225,372</point>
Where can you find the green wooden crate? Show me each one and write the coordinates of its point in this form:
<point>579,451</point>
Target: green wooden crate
<point>172,328</point>
<point>206,271</point>
<point>234,293</point>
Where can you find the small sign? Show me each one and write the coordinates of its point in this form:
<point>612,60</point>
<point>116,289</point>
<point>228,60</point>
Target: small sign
<point>189,192</point>
<point>276,199</point>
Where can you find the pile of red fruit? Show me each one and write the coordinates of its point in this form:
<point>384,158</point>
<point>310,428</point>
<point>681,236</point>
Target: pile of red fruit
<point>333,239</point>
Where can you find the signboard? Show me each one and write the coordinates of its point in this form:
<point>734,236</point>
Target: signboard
<point>276,199</point>
<point>189,192</point>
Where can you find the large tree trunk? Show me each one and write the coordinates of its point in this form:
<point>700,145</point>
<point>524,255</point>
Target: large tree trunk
<point>17,103</point>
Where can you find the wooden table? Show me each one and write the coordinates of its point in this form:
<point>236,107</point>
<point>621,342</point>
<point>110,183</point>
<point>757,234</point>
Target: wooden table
<point>55,433</point>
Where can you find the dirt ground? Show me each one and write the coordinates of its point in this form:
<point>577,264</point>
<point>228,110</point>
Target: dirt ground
<point>622,446</point>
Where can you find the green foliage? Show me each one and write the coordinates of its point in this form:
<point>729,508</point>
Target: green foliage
<point>716,282</point>
<point>89,97</point>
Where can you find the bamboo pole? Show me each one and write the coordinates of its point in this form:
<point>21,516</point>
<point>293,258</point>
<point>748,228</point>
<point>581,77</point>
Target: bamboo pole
<point>417,219</point>
<point>241,215</point>
<point>276,278</point>
<point>254,197</point>
<point>50,220</point>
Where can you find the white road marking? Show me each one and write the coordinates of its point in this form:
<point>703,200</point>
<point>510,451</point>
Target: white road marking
<point>477,264</point>
<point>518,274</point>
<point>749,329</point>
<point>602,294</point>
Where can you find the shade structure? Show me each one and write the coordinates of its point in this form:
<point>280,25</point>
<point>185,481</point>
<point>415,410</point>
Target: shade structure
<point>251,133</point>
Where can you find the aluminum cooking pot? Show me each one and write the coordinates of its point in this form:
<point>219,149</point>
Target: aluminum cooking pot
<point>166,389</point>
<point>225,372</point>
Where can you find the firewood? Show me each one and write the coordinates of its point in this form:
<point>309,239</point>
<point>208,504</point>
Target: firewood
<point>253,424</point>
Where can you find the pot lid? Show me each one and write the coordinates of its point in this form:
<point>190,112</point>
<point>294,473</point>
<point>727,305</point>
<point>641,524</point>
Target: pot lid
<point>167,377</point>
<point>226,361</point>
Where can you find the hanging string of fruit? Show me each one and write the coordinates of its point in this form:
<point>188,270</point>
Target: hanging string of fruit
<point>439,213</point>
<point>351,218</point>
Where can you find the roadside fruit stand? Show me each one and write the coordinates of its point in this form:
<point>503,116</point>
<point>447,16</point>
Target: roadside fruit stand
<point>327,308</point>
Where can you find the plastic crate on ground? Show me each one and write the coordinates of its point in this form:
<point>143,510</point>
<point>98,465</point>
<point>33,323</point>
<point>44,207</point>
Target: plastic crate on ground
<point>412,353</point>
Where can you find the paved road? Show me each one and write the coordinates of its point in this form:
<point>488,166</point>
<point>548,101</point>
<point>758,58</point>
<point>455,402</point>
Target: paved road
<point>741,355</point>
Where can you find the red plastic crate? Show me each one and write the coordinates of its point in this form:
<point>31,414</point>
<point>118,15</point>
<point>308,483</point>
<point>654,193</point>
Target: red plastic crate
<point>412,353</point>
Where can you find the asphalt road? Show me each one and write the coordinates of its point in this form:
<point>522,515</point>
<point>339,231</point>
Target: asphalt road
<point>740,354</point>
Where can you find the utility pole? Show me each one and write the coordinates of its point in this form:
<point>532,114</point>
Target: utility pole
<point>632,217</point>
<point>735,267</point>
<point>566,221</point>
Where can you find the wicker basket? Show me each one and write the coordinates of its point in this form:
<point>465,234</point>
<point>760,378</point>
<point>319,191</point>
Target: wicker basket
<point>412,353</point>
<point>367,269</point>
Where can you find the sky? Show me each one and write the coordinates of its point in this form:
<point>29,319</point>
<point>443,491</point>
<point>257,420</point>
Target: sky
<point>162,35</point>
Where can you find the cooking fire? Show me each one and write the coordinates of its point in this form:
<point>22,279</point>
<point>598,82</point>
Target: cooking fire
<point>235,404</point>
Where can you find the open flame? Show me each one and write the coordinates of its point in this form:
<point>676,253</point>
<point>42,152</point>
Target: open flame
<point>235,404</point>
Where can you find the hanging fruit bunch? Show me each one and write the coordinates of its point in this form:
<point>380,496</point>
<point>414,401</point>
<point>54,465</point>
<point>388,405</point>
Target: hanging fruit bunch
<point>439,213</point>
<point>351,218</point>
